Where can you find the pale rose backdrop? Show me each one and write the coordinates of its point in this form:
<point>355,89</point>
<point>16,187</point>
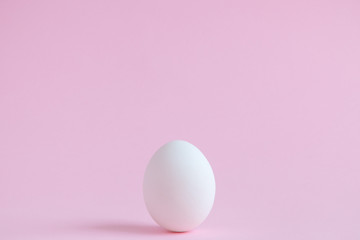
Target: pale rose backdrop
<point>268,90</point>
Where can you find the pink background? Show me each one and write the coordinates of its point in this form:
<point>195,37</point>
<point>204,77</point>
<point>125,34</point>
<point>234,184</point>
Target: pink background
<point>268,90</point>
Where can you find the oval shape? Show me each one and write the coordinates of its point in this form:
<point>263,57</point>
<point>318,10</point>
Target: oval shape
<point>179,186</point>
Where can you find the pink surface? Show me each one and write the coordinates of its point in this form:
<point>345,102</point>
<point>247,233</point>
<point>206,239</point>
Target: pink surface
<point>268,90</point>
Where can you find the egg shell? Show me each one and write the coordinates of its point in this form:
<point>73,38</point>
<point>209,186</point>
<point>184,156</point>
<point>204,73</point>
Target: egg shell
<point>179,186</point>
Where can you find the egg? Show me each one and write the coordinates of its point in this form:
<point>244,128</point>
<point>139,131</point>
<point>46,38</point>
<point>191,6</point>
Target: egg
<point>179,186</point>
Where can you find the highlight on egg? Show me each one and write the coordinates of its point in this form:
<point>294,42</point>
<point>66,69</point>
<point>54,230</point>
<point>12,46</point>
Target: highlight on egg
<point>179,186</point>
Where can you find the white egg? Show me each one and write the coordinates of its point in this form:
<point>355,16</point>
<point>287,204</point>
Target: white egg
<point>179,186</point>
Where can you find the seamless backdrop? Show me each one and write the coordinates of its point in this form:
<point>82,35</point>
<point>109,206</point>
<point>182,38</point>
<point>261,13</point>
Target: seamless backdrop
<point>269,91</point>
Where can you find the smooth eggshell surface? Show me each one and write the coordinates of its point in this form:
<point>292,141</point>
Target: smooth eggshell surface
<point>179,186</point>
